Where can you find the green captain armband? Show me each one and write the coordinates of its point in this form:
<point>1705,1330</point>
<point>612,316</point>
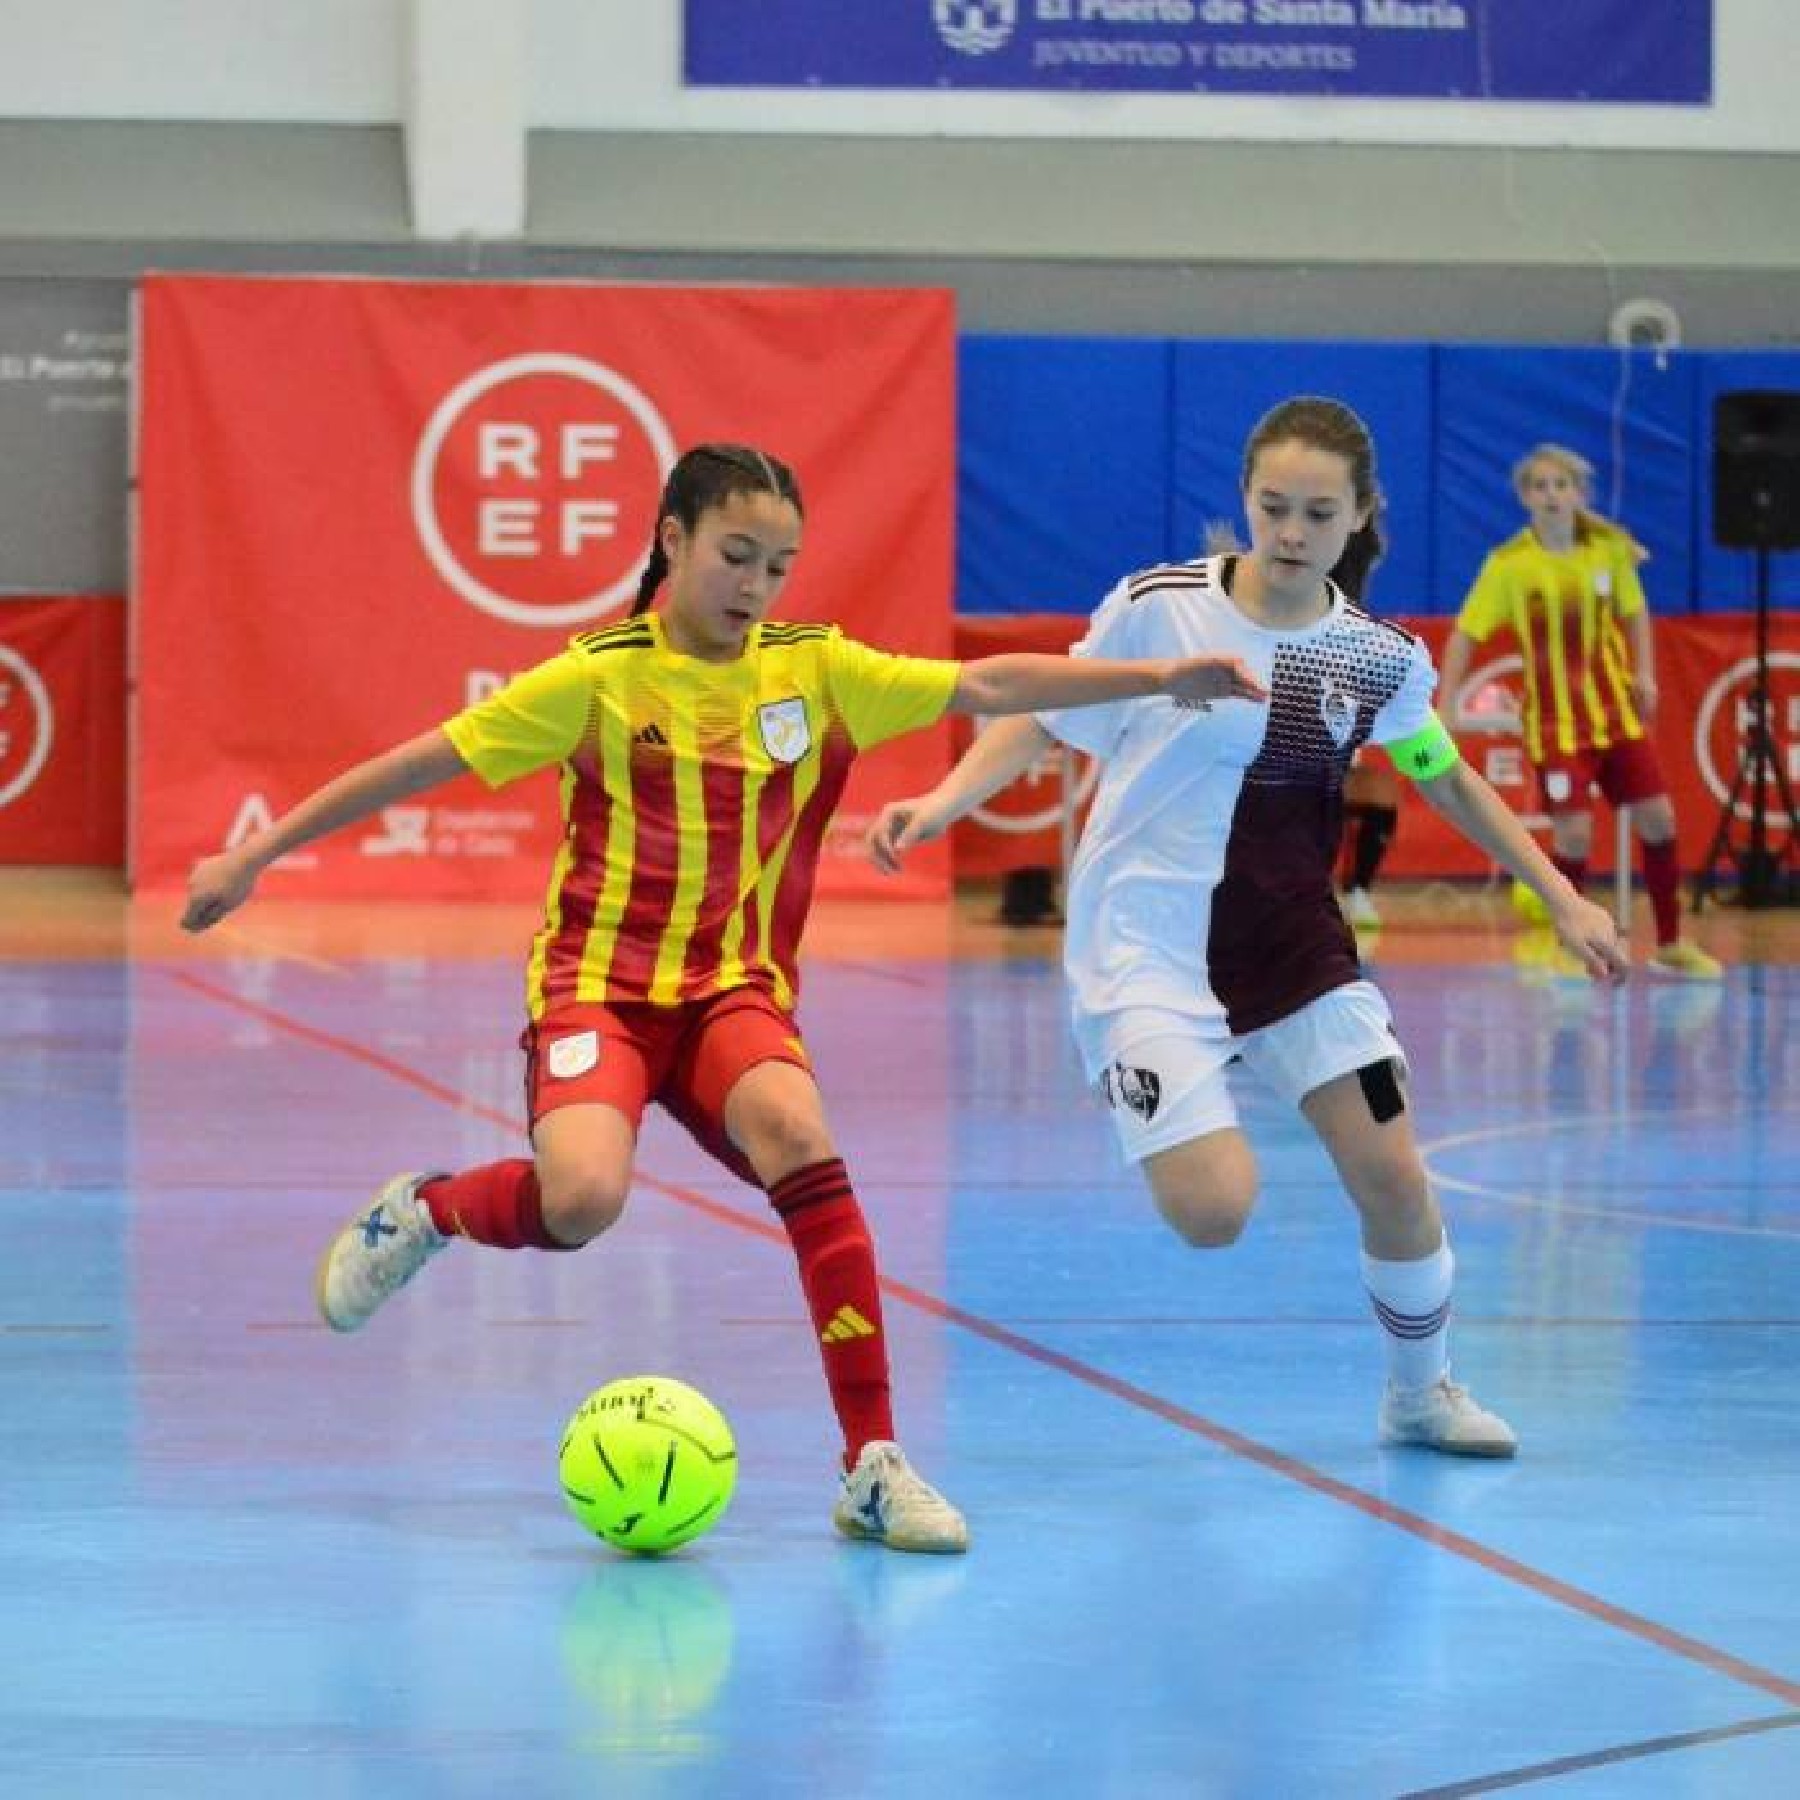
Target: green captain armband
<point>1426,754</point>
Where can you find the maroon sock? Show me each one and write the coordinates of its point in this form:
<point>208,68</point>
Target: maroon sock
<point>497,1204</point>
<point>837,1272</point>
<point>1662,877</point>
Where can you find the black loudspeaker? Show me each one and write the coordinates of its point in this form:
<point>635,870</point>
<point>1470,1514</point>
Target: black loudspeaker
<point>1756,470</point>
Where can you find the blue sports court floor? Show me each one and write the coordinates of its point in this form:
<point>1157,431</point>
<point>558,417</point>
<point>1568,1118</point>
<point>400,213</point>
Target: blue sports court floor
<point>240,1556</point>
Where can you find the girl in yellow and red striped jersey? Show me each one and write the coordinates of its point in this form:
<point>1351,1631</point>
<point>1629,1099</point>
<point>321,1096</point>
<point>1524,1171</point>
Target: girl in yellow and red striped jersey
<point>702,748</point>
<point>1566,589</point>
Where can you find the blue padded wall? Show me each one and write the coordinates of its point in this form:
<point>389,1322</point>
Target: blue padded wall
<point>1222,389</point>
<point>1629,417</point>
<point>1063,469</point>
<point>1083,458</point>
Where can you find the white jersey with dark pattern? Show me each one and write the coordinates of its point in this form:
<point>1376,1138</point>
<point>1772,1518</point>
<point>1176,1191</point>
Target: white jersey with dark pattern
<point>1202,883</point>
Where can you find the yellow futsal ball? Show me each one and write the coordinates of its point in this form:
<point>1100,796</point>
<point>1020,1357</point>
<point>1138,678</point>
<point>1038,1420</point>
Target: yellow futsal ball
<point>1529,909</point>
<point>648,1464</point>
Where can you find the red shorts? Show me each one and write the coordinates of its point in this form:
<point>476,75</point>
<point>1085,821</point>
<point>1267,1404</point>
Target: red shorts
<point>686,1058</point>
<point>1624,774</point>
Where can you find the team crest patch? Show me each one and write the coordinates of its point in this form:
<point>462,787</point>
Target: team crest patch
<point>573,1055</point>
<point>1137,1090</point>
<point>1557,786</point>
<point>1337,711</point>
<point>783,726</point>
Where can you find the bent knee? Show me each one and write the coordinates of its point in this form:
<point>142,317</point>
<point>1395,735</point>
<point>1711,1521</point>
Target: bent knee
<point>1206,1224</point>
<point>1205,1190</point>
<point>577,1209</point>
<point>776,1143</point>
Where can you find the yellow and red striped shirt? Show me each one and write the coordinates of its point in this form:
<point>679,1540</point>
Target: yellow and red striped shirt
<point>1564,608</point>
<point>695,797</point>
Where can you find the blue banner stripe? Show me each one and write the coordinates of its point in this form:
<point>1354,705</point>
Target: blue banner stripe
<point>1635,51</point>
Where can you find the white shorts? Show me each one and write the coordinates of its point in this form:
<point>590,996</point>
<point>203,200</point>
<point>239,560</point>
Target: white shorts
<point>1163,1077</point>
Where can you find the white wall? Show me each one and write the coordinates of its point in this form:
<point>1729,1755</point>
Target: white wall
<point>613,65</point>
<point>328,62</point>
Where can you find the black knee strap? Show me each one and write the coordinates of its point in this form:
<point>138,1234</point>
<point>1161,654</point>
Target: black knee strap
<point>1381,1088</point>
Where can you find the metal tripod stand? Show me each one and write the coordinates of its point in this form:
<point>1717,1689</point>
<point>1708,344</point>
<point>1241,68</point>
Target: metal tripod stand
<point>1766,877</point>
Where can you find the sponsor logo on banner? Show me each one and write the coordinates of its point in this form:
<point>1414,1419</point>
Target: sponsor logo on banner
<point>785,733</point>
<point>534,488</point>
<point>1488,705</point>
<point>254,814</point>
<point>27,725</point>
<point>974,27</point>
<point>1723,724</point>
<point>405,831</point>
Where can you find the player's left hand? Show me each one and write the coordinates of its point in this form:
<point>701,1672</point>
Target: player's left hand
<point>1589,935</point>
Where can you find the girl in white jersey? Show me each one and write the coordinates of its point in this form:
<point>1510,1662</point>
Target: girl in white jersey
<point>1202,926</point>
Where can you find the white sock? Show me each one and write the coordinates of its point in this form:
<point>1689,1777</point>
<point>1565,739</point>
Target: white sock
<point>1412,1303</point>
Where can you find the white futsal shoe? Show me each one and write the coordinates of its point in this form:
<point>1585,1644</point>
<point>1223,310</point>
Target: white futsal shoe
<point>1444,1417</point>
<point>885,1501</point>
<point>377,1254</point>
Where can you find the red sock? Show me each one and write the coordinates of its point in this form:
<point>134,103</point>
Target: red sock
<point>497,1204</point>
<point>1662,877</point>
<point>837,1271</point>
<point>1572,867</point>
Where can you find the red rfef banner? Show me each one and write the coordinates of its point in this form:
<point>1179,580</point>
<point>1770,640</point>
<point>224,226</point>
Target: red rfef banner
<point>62,731</point>
<point>1706,666</point>
<point>363,504</point>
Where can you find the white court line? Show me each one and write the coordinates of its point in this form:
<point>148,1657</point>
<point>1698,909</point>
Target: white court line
<point>1622,1215</point>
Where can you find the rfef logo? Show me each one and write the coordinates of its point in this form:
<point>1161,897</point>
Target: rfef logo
<point>1722,730</point>
<point>27,725</point>
<point>535,485</point>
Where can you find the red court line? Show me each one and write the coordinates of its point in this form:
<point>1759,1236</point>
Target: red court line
<point>1508,1568</point>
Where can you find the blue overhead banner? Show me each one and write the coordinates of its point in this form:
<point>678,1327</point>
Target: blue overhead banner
<point>1636,51</point>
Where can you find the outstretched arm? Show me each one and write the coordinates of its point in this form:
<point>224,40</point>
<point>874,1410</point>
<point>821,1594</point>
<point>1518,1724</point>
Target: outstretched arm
<point>1460,796</point>
<point>999,755</point>
<point>219,884</point>
<point>1024,681</point>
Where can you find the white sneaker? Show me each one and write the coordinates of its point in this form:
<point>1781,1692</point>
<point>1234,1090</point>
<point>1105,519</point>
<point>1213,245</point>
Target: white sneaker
<point>1359,907</point>
<point>1444,1417</point>
<point>377,1254</point>
<point>884,1500</point>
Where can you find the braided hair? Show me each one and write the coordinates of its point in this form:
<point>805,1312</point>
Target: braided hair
<point>703,478</point>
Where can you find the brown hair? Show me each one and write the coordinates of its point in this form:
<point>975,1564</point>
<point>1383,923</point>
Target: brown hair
<point>703,478</point>
<point>1330,425</point>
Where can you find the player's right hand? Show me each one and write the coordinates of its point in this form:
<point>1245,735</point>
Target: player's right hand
<point>217,885</point>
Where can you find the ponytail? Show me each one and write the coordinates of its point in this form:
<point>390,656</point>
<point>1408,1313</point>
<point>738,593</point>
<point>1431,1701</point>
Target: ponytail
<point>652,578</point>
<point>1364,548</point>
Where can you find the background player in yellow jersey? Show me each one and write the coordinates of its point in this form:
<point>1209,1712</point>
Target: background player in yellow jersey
<point>1567,589</point>
<point>702,748</point>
